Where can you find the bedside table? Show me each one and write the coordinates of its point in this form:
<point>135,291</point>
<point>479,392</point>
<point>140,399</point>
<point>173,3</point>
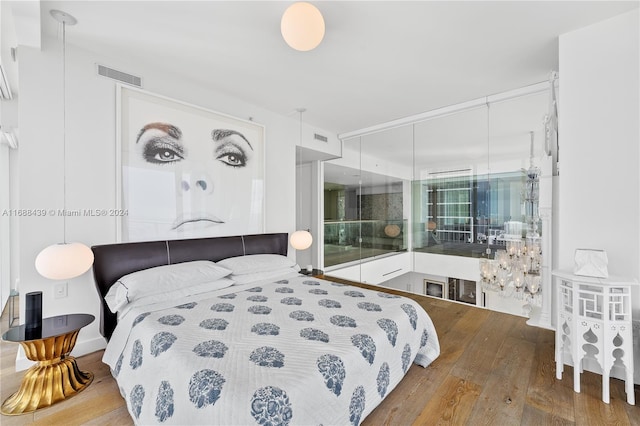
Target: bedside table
<point>56,376</point>
<point>313,273</point>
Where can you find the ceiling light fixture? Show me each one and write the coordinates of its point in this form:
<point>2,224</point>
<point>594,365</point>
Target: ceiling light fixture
<point>64,260</point>
<point>302,26</point>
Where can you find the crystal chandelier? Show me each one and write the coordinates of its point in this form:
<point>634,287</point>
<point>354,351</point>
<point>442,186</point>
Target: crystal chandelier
<point>515,271</point>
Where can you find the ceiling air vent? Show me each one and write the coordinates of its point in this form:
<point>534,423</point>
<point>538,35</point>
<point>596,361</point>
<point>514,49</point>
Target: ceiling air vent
<point>119,75</point>
<point>320,137</point>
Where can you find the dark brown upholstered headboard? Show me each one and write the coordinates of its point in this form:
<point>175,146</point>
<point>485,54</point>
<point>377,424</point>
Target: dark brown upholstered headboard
<point>113,261</point>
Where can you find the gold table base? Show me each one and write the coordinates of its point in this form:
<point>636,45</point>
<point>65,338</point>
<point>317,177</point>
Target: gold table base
<point>55,378</point>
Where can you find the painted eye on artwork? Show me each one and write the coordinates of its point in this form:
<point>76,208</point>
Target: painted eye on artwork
<point>159,153</point>
<point>165,155</point>
<point>231,148</point>
<point>233,159</point>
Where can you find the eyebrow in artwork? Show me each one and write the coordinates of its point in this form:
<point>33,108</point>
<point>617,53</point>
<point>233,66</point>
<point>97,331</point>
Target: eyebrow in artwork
<point>167,128</point>
<point>219,134</point>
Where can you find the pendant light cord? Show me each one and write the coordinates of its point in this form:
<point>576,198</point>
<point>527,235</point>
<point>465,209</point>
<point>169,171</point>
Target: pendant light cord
<point>299,166</point>
<point>301,110</point>
<point>299,160</point>
<point>488,251</point>
<point>64,133</point>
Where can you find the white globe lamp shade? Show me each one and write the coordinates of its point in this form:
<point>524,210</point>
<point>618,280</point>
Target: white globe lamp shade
<point>301,240</point>
<point>302,26</point>
<point>64,261</point>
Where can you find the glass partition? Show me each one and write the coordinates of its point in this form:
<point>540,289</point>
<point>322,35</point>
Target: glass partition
<point>379,237</point>
<point>455,184</point>
<point>342,227</point>
<point>464,215</point>
<point>470,175</point>
<point>450,183</point>
<point>367,195</point>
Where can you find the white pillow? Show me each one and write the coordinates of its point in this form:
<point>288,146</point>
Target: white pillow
<point>162,279</point>
<point>176,295</point>
<point>265,276</point>
<point>253,263</point>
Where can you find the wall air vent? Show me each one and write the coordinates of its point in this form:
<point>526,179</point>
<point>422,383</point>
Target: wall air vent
<point>119,75</point>
<point>320,137</point>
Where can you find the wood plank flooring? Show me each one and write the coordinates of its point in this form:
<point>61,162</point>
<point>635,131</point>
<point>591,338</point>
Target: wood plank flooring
<point>493,370</point>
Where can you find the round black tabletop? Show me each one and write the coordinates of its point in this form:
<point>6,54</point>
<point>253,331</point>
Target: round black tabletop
<point>51,327</point>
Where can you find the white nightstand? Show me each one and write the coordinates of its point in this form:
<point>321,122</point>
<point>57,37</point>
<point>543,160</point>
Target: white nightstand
<point>593,323</point>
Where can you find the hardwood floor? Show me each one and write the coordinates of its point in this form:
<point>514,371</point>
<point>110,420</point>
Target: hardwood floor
<point>493,370</point>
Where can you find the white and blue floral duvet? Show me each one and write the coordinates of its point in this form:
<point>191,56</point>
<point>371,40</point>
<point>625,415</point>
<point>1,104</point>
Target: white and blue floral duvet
<point>298,351</point>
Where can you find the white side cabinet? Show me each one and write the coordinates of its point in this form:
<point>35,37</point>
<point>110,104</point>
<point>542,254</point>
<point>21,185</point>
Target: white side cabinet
<point>594,324</point>
<point>375,271</point>
<point>385,268</point>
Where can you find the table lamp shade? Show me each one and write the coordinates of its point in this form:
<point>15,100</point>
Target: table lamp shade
<point>64,261</point>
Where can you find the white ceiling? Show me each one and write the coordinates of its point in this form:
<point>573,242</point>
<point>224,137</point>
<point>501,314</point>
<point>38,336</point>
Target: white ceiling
<point>379,61</point>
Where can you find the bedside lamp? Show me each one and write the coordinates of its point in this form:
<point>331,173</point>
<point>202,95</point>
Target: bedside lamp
<point>64,260</point>
<point>301,240</point>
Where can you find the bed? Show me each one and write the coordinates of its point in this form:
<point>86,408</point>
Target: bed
<point>261,345</point>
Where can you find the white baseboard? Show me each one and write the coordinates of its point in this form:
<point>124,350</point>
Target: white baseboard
<point>537,318</point>
<point>81,348</point>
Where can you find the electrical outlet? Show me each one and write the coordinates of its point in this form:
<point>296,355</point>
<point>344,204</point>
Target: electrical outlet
<point>60,290</point>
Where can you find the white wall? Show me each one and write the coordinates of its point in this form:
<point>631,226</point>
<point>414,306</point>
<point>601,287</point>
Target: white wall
<point>91,160</point>
<point>5,230</point>
<point>8,122</point>
<point>355,156</point>
<point>599,125</point>
<point>412,282</point>
<point>599,183</point>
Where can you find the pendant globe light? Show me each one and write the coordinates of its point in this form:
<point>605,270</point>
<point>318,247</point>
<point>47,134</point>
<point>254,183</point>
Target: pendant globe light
<point>302,26</point>
<point>301,240</point>
<point>64,260</point>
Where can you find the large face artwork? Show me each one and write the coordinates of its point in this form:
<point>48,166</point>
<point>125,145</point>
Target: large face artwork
<point>188,172</point>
